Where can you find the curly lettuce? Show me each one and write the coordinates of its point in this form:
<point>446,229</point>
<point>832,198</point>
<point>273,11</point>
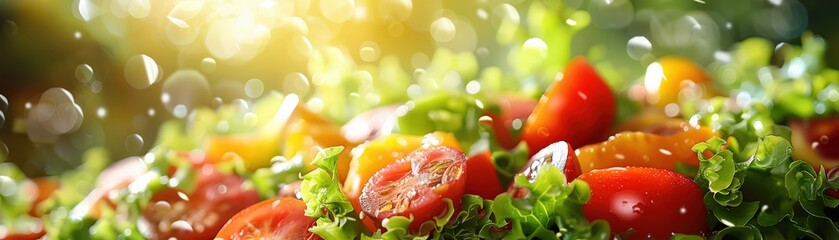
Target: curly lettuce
<point>325,201</point>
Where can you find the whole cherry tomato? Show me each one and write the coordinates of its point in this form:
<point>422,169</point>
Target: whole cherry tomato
<point>645,203</point>
<point>578,108</point>
<point>816,141</point>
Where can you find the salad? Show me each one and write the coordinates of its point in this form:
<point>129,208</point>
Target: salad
<point>744,147</point>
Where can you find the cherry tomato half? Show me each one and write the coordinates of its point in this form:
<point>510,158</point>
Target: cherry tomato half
<point>485,182</point>
<point>200,214</point>
<point>638,149</point>
<point>645,203</point>
<point>559,155</point>
<point>378,153</point>
<point>816,141</point>
<point>278,218</point>
<point>416,186</point>
<point>578,109</point>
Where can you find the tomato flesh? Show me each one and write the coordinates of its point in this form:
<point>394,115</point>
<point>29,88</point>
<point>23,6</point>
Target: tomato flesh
<point>278,218</point>
<point>416,186</point>
<point>578,109</point>
<point>645,203</point>
<point>200,214</point>
<point>559,155</point>
<point>485,181</point>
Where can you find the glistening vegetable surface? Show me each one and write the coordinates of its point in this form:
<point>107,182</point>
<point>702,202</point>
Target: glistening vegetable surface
<point>403,119</point>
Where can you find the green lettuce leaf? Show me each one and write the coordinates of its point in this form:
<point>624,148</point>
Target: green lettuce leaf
<point>325,201</point>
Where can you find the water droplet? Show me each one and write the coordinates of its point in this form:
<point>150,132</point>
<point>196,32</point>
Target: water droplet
<point>611,13</point>
<point>544,132</point>
<point>134,143</point>
<point>473,87</point>
<point>638,46</point>
<point>96,86</point>
<point>683,210</point>
<point>337,11</point>
<point>184,11</point>
<point>296,83</point>
<point>208,65</point>
<point>824,139</point>
<point>141,71</point>
<point>77,35</point>
<point>84,73</point>
<point>4,103</point>
<point>671,110</point>
<point>55,114</point>
<point>139,8</point>
<point>152,112</point>
<point>185,90</point>
<point>216,102</point>
<point>443,29</point>
<point>399,10</point>
<point>2,119</point>
<point>101,112</point>
<point>86,10</point>
<point>369,51</point>
<point>254,88</point>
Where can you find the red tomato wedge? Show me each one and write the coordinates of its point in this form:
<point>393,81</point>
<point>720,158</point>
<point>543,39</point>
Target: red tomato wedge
<point>559,155</point>
<point>578,108</point>
<point>200,214</point>
<point>416,186</point>
<point>645,203</point>
<point>484,181</point>
<point>278,218</point>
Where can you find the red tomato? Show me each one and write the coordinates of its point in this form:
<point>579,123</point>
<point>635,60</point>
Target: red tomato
<point>578,109</point>
<point>483,181</point>
<point>278,218</point>
<point>200,214</point>
<point>645,202</point>
<point>510,109</point>
<point>816,141</point>
<point>416,185</point>
<point>559,155</point>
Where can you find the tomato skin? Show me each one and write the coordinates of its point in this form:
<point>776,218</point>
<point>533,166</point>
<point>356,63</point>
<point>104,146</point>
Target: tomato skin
<point>37,234</point>
<point>639,149</point>
<point>578,109</point>
<point>816,141</point>
<point>217,197</point>
<point>482,180</point>
<point>510,108</point>
<point>652,202</point>
<point>416,186</point>
<point>559,155</point>
<point>279,218</point>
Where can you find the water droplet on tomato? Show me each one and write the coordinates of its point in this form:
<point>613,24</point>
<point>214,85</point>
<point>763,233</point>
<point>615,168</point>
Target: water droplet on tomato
<point>543,132</point>
<point>824,139</point>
